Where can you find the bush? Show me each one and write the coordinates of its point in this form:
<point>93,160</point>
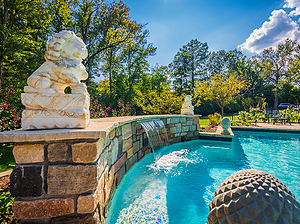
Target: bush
<point>121,110</point>
<point>214,119</point>
<point>97,110</point>
<point>6,213</point>
<point>10,109</point>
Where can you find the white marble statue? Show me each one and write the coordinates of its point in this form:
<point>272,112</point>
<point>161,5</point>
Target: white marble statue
<point>187,107</point>
<point>47,106</point>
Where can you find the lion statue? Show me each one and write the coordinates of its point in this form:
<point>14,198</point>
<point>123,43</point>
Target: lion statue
<point>62,68</point>
<point>187,107</point>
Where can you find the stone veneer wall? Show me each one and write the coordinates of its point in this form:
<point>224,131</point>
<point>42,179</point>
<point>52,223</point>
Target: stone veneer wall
<point>60,180</point>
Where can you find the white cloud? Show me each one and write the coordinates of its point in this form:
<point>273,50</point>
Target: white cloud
<point>293,4</point>
<point>272,32</point>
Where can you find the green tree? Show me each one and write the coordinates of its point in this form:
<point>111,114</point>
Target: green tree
<point>134,59</point>
<point>25,25</point>
<point>188,64</point>
<point>274,64</point>
<point>221,61</point>
<point>220,89</point>
<point>167,102</point>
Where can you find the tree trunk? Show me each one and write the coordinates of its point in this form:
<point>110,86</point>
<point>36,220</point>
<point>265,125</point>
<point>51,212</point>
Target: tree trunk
<point>222,109</point>
<point>275,98</point>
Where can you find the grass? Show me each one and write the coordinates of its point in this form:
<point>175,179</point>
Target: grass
<point>204,121</point>
<point>7,161</point>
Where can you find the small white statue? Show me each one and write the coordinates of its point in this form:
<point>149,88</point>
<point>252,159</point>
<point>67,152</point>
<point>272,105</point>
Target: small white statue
<point>47,106</point>
<point>187,107</point>
<point>225,124</point>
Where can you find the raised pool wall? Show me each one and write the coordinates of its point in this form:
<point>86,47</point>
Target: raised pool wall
<point>70,175</point>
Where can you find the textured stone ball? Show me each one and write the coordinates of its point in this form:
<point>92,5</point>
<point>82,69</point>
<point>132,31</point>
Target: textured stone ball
<point>253,196</point>
<point>225,123</point>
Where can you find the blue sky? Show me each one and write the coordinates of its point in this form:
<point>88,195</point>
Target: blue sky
<point>248,25</point>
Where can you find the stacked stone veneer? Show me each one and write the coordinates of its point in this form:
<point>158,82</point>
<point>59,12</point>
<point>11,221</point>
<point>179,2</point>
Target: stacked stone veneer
<point>72,180</point>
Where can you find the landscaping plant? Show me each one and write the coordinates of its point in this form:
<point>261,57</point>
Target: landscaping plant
<point>6,213</point>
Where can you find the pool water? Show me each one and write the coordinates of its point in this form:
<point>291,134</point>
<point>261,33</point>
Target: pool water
<point>176,184</point>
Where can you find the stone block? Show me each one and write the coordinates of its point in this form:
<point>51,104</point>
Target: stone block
<point>120,138</point>
<point>196,133</point>
<point>136,146</point>
<point>178,128</point>
<point>133,138</point>
<point>177,139</point>
<point>118,131</point>
<point>140,155</point>
<point>147,151</point>
<point>130,162</point>
<point>86,204</point>
<point>193,128</point>
<point>189,122</point>
<point>108,185</point>
<point>84,152</point>
<point>139,131</point>
<point>41,209</point>
<point>145,141</point>
<point>126,131</point>
<point>120,149</point>
<point>119,163</point>
<point>28,153</point>
<point>102,162</point>
<point>127,144</point>
<point>26,181</point>
<point>114,150</point>
<point>168,121</point>
<point>57,152</point>
<point>183,134</point>
<point>65,180</point>
<point>120,175</point>
<point>170,125</point>
<point>174,120</point>
<point>172,130</point>
<point>198,127</point>
<point>185,129</point>
<point>196,119</point>
<point>50,119</point>
<point>182,120</point>
<point>129,153</point>
<point>86,219</point>
<point>112,133</point>
<point>189,118</point>
<point>190,134</point>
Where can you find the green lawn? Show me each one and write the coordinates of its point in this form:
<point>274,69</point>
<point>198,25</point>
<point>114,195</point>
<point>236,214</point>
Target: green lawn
<point>204,121</point>
<point>7,160</point>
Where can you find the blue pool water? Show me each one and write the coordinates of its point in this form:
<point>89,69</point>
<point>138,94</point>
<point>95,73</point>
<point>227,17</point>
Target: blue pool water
<point>178,187</point>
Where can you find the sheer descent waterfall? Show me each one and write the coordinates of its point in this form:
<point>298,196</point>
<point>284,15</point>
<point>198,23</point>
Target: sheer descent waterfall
<point>156,133</point>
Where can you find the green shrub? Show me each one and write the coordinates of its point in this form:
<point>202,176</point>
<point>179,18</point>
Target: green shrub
<point>214,119</point>
<point>6,213</point>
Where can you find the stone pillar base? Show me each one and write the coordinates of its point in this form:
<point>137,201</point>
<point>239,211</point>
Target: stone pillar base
<point>49,119</point>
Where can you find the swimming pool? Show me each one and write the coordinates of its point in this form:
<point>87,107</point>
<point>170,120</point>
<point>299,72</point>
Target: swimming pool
<point>178,187</point>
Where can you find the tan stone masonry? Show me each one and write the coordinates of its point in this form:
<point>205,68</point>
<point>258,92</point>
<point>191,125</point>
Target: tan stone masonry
<point>70,175</point>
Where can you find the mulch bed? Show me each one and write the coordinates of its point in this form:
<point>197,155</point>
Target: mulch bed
<point>210,128</point>
<point>4,184</point>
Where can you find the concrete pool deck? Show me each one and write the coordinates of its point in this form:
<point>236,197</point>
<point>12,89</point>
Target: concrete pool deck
<point>277,127</point>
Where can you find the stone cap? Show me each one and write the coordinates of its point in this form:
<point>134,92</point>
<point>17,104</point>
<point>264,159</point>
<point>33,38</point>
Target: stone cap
<point>98,128</point>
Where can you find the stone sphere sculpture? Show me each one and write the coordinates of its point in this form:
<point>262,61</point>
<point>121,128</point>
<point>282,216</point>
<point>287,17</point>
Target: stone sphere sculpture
<point>225,124</point>
<point>253,196</point>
